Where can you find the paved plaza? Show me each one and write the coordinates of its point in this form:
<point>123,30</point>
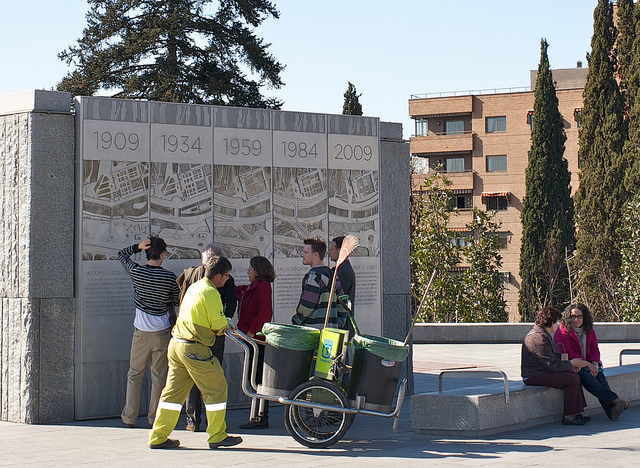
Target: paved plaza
<point>369,441</point>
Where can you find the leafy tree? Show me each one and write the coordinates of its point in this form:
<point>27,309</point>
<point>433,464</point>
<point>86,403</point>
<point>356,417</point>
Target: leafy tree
<point>352,104</point>
<point>172,50</point>
<point>547,212</point>
<point>431,249</point>
<point>467,286</point>
<point>482,284</point>
<point>629,285</point>
<point>601,195</point>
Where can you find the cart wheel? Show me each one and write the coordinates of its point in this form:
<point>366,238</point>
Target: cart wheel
<point>314,427</point>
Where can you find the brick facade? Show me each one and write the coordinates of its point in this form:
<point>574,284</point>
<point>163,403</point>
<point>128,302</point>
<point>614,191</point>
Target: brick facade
<point>443,140</point>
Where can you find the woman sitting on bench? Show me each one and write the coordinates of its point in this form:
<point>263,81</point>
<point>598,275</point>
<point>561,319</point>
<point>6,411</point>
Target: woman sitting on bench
<point>577,338</point>
<point>542,365</point>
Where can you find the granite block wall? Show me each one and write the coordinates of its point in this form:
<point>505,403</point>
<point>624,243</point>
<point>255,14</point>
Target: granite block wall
<point>37,239</point>
<point>394,210</point>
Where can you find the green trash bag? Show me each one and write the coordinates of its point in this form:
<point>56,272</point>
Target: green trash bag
<point>385,348</point>
<point>293,337</point>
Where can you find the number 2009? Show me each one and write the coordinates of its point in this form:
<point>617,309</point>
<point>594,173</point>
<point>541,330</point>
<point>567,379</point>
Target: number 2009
<point>357,152</point>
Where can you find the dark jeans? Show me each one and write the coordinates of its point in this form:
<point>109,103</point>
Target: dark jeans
<point>569,382</point>
<point>193,405</point>
<point>261,348</point>
<point>599,388</point>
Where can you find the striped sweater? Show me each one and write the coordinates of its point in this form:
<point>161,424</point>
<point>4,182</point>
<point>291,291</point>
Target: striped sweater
<point>314,300</point>
<point>155,289</point>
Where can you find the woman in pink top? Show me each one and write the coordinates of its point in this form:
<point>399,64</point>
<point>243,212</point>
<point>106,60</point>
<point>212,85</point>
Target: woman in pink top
<point>255,308</point>
<point>577,338</point>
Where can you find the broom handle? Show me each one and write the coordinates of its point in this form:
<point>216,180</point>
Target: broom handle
<point>424,296</point>
<point>333,285</point>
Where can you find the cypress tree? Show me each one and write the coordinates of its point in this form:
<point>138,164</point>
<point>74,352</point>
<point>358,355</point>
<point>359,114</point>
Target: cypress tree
<point>352,104</point>
<point>547,211</point>
<point>626,12</point>
<point>629,285</point>
<point>631,152</point>
<point>601,196</point>
<point>171,50</point>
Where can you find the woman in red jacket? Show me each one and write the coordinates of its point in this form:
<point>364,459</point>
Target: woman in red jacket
<point>577,338</point>
<point>254,310</point>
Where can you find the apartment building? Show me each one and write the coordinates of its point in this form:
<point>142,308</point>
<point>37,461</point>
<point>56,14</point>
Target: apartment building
<point>481,140</point>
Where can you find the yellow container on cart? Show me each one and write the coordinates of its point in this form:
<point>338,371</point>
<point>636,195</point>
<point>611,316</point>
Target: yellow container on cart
<point>332,344</point>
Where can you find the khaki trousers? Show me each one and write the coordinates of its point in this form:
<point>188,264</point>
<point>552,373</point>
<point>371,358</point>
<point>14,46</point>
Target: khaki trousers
<point>145,347</point>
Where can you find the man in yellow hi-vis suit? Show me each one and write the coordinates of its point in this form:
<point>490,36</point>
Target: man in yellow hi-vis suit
<point>201,319</point>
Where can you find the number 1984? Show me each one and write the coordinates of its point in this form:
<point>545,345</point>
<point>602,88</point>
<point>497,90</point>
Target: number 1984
<point>291,149</point>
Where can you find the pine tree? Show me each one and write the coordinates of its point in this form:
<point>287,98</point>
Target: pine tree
<point>171,50</point>
<point>601,195</point>
<point>547,211</point>
<point>352,104</point>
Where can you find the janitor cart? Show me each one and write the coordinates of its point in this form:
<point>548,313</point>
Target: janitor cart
<point>304,369</point>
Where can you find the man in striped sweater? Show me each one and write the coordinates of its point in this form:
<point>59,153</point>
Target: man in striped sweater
<point>155,293</point>
<point>316,288</point>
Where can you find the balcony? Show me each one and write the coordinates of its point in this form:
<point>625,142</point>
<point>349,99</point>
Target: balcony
<point>442,143</point>
<point>461,182</point>
<point>432,107</point>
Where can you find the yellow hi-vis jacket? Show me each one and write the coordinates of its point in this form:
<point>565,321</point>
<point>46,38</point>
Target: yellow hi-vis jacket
<point>201,315</point>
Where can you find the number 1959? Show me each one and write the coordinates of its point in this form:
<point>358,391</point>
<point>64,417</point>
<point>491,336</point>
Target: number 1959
<point>244,146</point>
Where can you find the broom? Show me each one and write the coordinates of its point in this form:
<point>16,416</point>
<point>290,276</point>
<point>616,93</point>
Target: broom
<point>424,296</point>
<point>349,243</point>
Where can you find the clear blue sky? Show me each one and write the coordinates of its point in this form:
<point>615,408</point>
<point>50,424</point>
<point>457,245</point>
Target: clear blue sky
<point>388,49</point>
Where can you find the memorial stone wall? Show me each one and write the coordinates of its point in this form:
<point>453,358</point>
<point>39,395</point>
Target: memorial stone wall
<point>75,191</point>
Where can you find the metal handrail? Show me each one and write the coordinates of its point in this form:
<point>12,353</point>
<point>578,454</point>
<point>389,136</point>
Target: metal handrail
<point>466,373</point>
<point>629,352</point>
<point>442,134</point>
<point>472,92</point>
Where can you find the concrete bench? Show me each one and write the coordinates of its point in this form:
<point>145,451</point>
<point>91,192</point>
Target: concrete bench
<point>482,410</point>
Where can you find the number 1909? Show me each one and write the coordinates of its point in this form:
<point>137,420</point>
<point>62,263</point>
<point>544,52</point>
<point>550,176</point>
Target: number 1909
<point>119,141</point>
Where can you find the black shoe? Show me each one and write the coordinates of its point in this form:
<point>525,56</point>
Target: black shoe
<point>579,420</point>
<point>256,423</point>
<point>229,441</point>
<point>167,444</point>
<point>128,425</point>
